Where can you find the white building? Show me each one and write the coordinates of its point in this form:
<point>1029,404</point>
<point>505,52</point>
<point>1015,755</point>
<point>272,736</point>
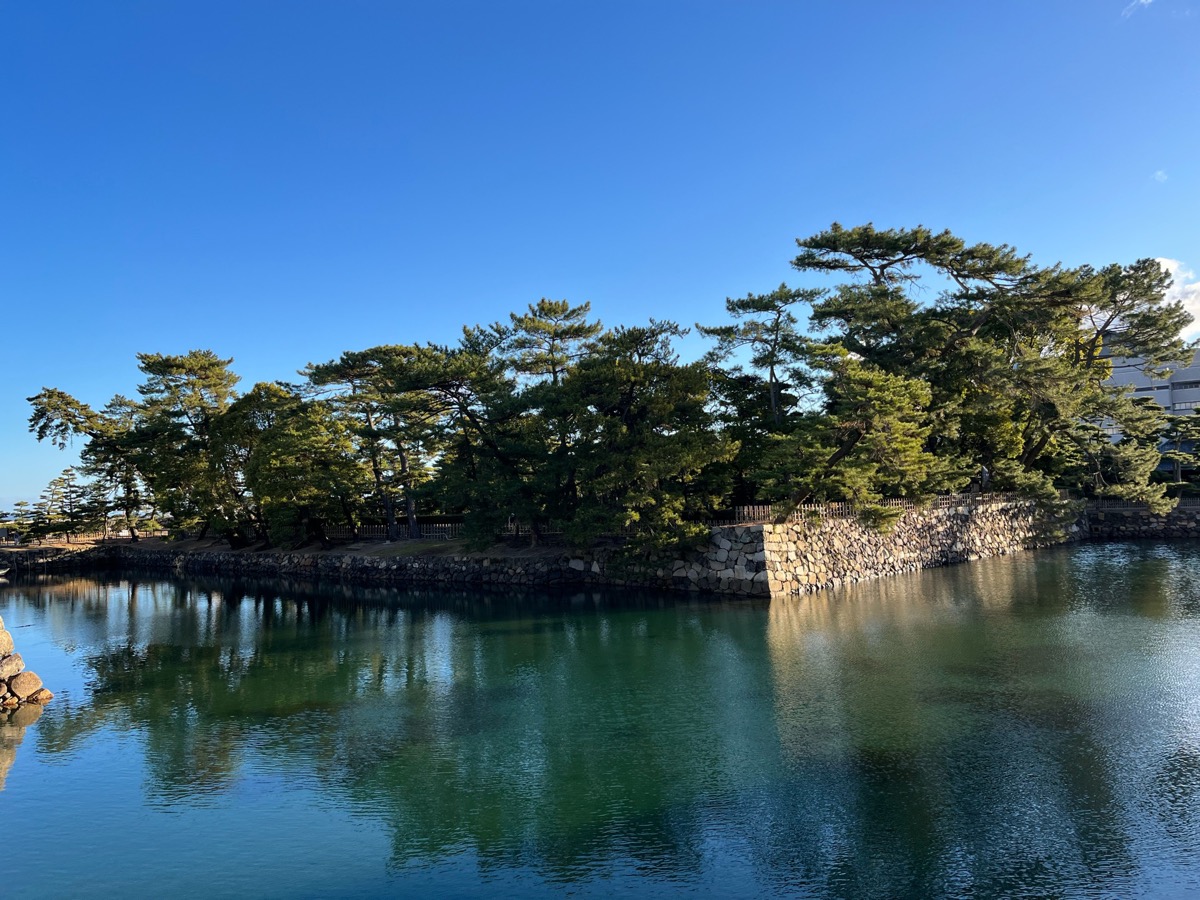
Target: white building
<point>1179,392</point>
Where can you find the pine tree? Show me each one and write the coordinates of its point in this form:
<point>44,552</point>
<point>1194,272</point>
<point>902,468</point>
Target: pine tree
<point>550,338</point>
<point>1181,436</point>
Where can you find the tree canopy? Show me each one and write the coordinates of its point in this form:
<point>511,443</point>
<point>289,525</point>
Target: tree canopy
<point>917,364</point>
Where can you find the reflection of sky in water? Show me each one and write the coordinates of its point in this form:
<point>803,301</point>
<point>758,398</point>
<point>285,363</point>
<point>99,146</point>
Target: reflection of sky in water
<point>1033,741</point>
<point>1022,726</point>
<point>439,650</point>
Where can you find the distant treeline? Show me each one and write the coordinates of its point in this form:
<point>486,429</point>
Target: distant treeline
<point>927,365</point>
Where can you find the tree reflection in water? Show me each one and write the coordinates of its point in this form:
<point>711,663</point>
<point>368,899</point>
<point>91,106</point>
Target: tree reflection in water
<point>995,728</point>
<point>541,727</point>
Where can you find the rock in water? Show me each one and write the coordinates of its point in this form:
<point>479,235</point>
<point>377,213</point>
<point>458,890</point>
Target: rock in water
<point>6,642</point>
<point>24,684</point>
<point>10,666</point>
<point>41,696</point>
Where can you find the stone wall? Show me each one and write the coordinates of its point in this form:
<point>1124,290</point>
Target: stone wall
<point>733,564</point>
<point>1106,523</point>
<point>17,686</point>
<point>802,557</point>
<point>741,560</point>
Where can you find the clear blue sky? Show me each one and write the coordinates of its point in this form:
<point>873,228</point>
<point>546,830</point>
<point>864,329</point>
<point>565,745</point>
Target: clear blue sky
<point>281,180</point>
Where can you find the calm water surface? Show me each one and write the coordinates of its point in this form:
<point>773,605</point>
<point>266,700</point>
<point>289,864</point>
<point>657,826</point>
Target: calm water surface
<point>1022,727</point>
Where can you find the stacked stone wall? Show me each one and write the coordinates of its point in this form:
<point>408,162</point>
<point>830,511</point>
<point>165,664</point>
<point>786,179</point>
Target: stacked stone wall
<point>734,563</point>
<point>743,560</point>
<point>807,556</point>
<point>17,686</point>
<point>1135,522</point>
<point>449,569</point>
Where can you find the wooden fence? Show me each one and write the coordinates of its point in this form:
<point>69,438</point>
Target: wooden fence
<point>755,514</point>
<point>436,531</point>
<point>762,513</point>
<point>1112,503</point>
<point>84,537</point>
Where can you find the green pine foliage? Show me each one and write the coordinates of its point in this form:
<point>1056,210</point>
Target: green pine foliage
<point>920,362</point>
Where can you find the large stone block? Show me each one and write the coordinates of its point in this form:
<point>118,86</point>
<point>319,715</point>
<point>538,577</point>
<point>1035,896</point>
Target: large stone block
<point>11,665</point>
<point>24,684</point>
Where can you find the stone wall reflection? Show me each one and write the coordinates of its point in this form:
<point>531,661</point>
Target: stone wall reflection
<point>944,733</point>
<point>13,724</point>
<point>940,733</point>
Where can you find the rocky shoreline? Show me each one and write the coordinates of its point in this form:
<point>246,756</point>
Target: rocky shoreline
<point>17,685</point>
<point>753,560</point>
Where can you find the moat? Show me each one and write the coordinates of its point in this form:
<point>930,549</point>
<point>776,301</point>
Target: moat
<point>1020,726</point>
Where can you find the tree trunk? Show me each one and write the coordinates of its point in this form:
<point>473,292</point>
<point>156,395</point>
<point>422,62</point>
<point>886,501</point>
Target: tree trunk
<point>774,394</point>
<point>133,535</point>
<point>410,512</point>
<point>389,512</point>
<point>348,513</point>
<point>382,487</point>
<point>259,524</point>
<point>410,504</point>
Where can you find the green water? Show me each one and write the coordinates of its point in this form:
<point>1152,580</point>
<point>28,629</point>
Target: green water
<point>1019,727</point>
